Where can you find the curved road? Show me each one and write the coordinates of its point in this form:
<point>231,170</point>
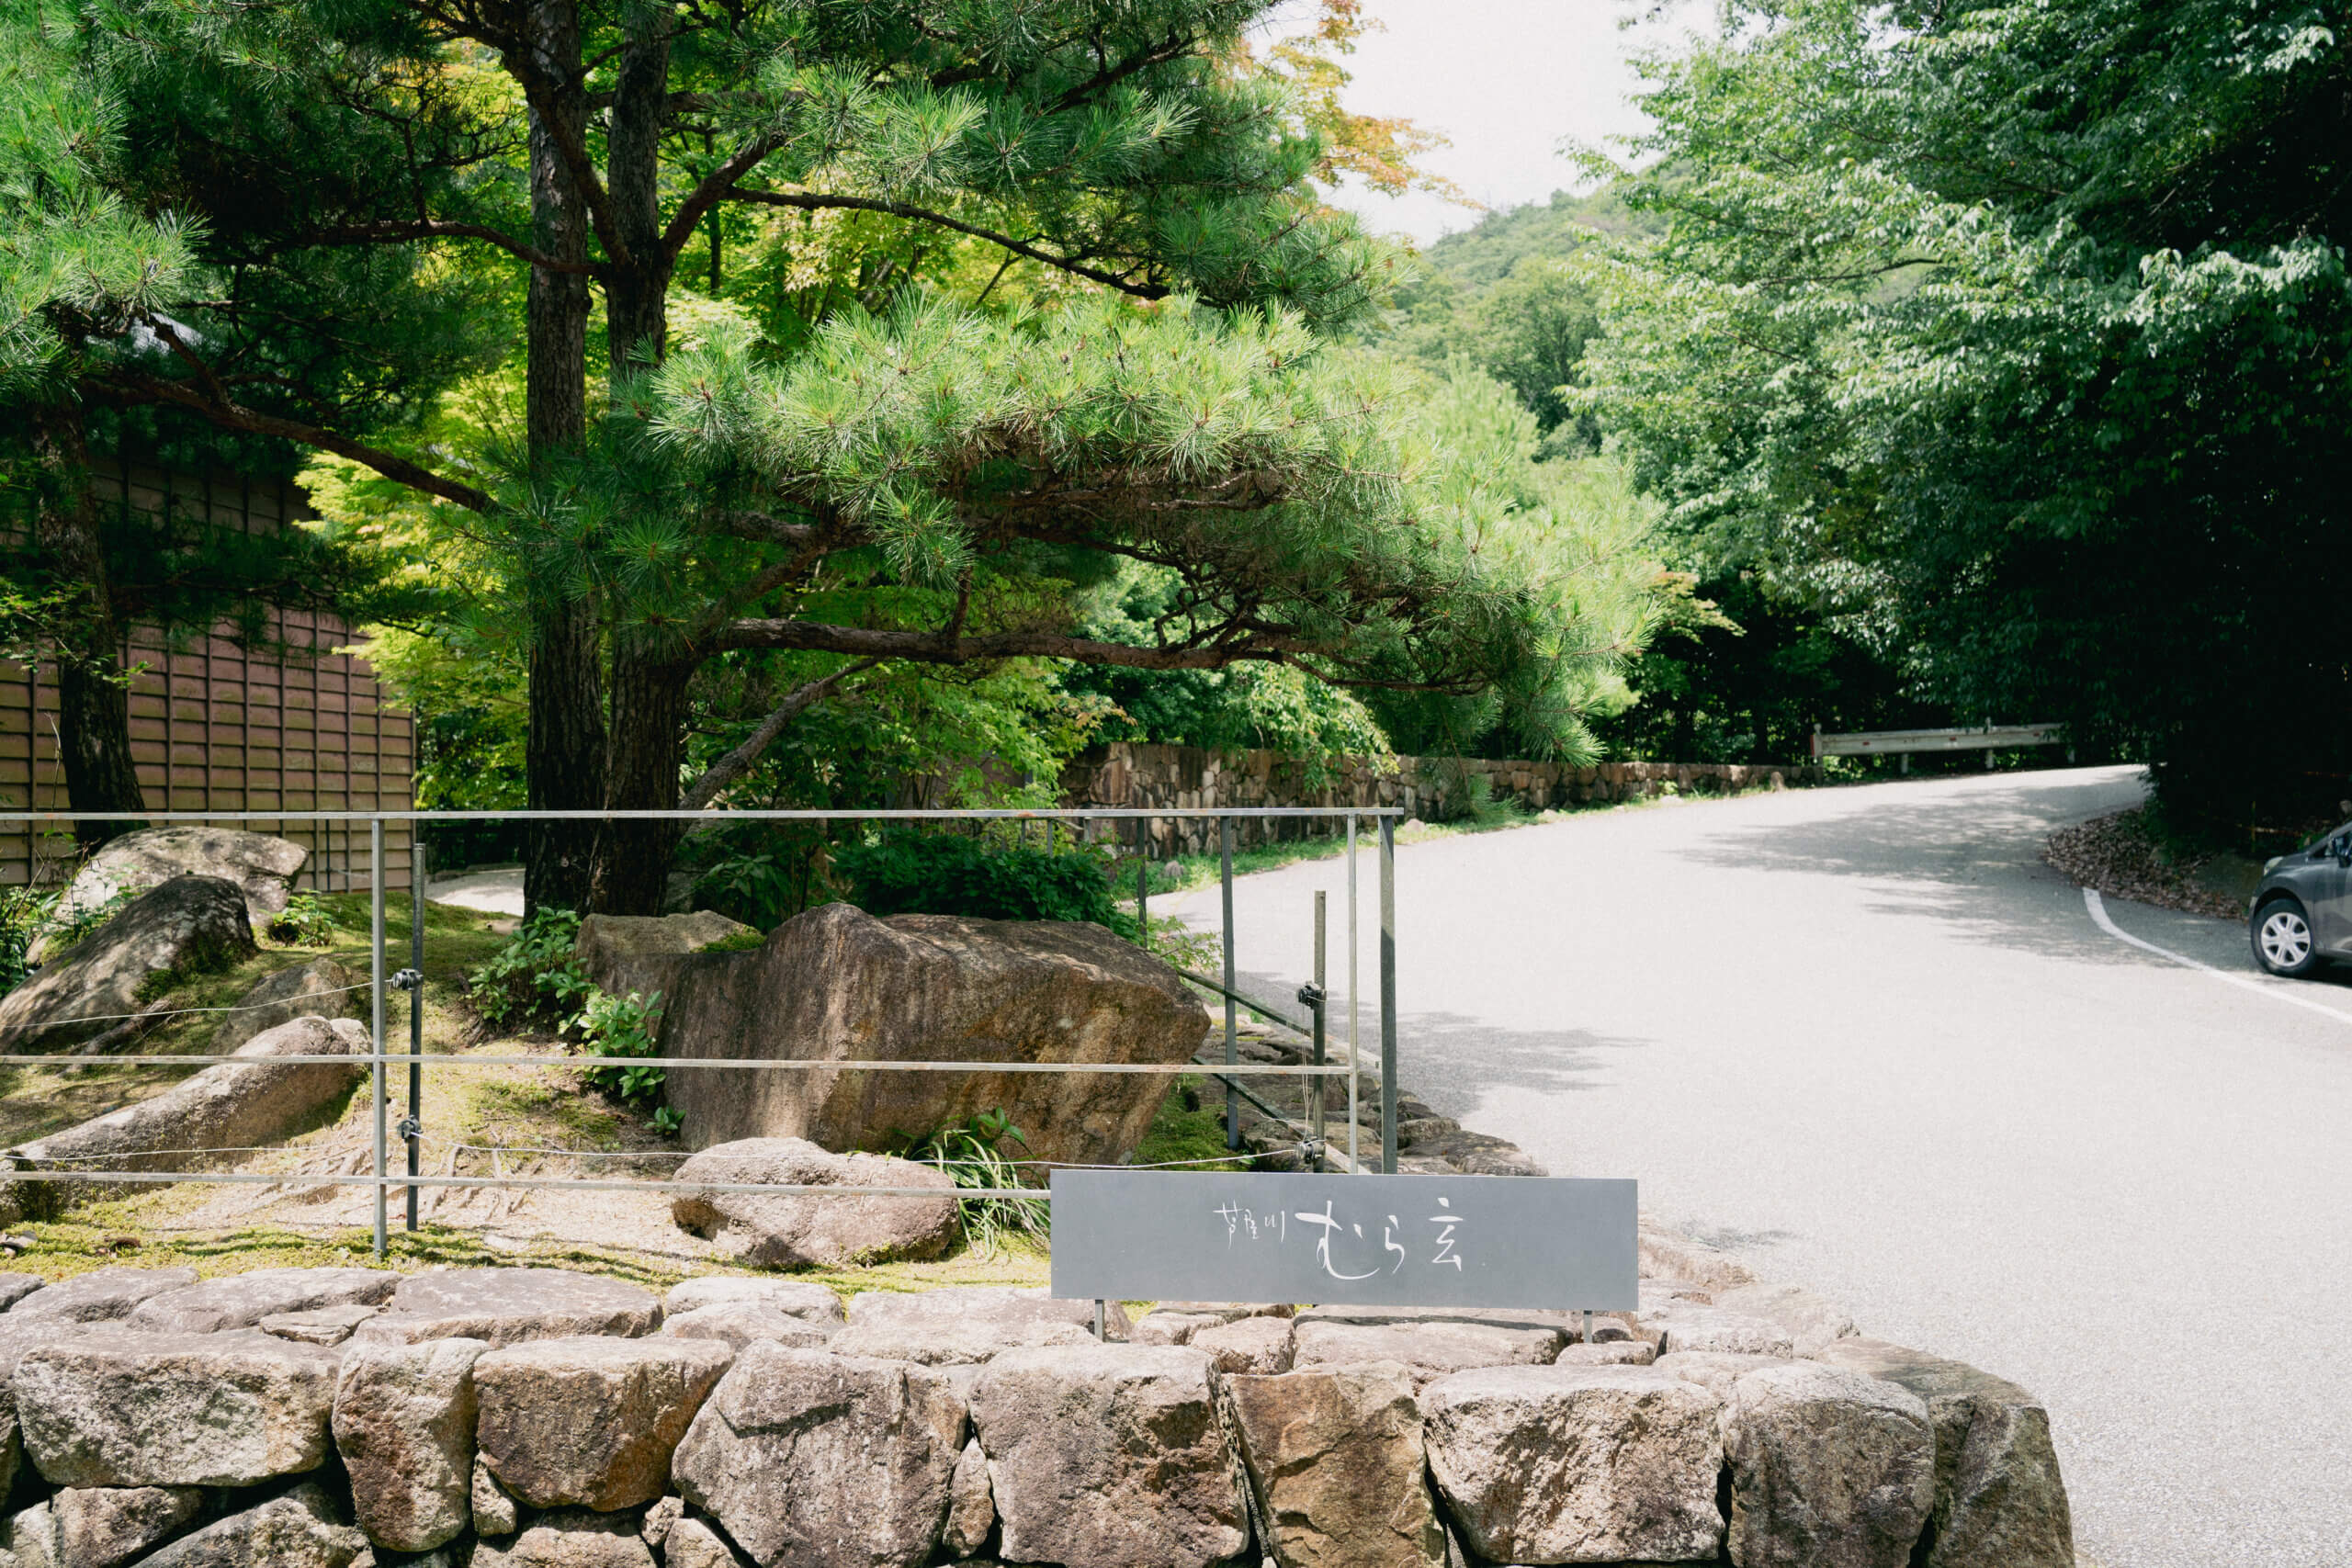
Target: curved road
<point>1863,1038</point>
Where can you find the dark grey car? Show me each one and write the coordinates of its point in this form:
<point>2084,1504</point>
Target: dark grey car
<point>2302,913</point>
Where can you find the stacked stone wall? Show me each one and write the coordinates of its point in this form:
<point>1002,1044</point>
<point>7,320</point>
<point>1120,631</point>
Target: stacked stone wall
<point>1132,775</point>
<point>533,1418</point>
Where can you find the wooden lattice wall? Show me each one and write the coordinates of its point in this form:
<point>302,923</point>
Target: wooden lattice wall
<point>214,727</point>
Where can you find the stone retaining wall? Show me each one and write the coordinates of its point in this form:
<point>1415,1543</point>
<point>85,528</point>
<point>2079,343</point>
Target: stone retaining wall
<point>531,1418</point>
<point>1189,777</point>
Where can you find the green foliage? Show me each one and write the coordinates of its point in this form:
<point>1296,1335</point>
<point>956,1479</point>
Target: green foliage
<point>304,922</point>
<point>23,915</point>
<point>608,1025</point>
<point>2019,336</point>
<point>533,977</point>
<point>946,874</point>
<point>972,1153</point>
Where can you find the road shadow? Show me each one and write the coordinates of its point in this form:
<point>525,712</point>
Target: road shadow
<point>1971,861</point>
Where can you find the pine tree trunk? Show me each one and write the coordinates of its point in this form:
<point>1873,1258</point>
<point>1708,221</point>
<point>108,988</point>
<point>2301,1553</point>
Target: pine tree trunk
<point>651,672</point>
<point>564,758</point>
<point>94,712</point>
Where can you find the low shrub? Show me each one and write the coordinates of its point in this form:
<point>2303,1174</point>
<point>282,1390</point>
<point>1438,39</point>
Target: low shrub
<point>946,874</point>
<point>304,922</point>
<point>533,977</point>
<point>971,1152</point>
<point>623,1026</point>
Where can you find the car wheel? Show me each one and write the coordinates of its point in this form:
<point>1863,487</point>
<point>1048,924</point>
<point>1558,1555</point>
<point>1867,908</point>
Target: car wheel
<point>2283,939</point>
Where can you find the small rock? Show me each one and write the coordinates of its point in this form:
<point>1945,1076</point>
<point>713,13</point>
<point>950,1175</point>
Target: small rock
<point>326,1326</point>
<point>404,1420</point>
<point>1829,1469</point>
<point>1107,1456</point>
<point>298,1529</point>
<point>1684,1326</point>
<point>31,1537</point>
<point>591,1422</point>
<point>494,1511</point>
<point>175,1410</point>
<point>694,1544</point>
<point>1665,1256</point>
<point>1811,1322</point>
<point>99,1526</point>
<point>1175,1322</point>
<point>1432,1348</point>
<point>242,1301</point>
<point>1576,1464</point>
<point>1715,1371</point>
<point>739,1323</point>
<point>971,1511</point>
<point>100,1296</point>
<point>510,1306</point>
<point>826,1461</point>
<point>572,1538</point>
<point>1258,1346</point>
<point>660,1521</point>
<point>815,1302</point>
<point>792,1230</point>
<point>15,1288</point>
<point>966,1322</point>
<point>1612,1353</point>
<point>2000,1501</point>
<point>1335,1464</point>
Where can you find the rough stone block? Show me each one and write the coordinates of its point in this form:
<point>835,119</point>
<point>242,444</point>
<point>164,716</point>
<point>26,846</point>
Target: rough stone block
<point>15,1288</point>
<point>404,1423</point>
<point>509,1306</point>
<point>739,1323</point>
<point>1829,1469</point>
<point>242,1301</point>
<point>495,1513</point>
<point>2000,1501</point>
<point>966,1322</point>
<point>1252,1344</point>
<point>327,1326</point>
<point>793,1229</point>
<point>298,1529</point>
<point>1812,1322</point>
<point>1108,1456</point>
<point>1431,1346</point>
<point>591,1422</point>
<point>1685,1326</point>
<point>1609,1353</point>
<point>694,1544</point>
<point>571,1537</point>
<point>1577,1464</point>
<point>971,1510</point>
<point>175,1410</point>
<point>1715,1371</point>
<point>100,1296</point>
<point>826,1461</point>
<point>1335,1465</point>
<point>99,1526</point>
<point>799,1298</point>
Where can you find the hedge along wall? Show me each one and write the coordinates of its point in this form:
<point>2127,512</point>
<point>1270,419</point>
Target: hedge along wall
<point>1183,777</point>
<point>217,727</point>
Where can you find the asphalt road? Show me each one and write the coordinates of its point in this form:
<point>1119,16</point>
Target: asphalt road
<point>1863,1038</point>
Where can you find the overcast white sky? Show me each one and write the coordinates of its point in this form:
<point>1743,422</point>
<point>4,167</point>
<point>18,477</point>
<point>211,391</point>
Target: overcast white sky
<point>1506,80</point>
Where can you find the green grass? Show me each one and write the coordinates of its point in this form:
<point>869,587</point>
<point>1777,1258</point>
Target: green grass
<point>1196,1134</point>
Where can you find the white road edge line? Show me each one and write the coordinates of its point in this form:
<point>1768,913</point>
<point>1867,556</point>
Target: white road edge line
<point>2097,907</point>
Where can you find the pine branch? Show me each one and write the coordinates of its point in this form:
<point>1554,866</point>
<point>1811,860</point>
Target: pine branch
<point>810,201</point>
<point>945,647</point>
<point>394,231</point>
<point>715,187</point>
<point>732,766</point>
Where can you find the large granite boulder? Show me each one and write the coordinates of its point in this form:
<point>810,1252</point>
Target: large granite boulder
<point>1108,1456</point>
<point>965,1323</point>
<point>791,1230</point>
<point>175,1410</point>
<point>739,1325</point>
<point>1257,1345</point>
<point>404,1420</point>
<point>591,1422</point>
<point>190,924</point>
<point>1999,1501</point>
<point>637,952</point>
<point>320,988</point>
<point>15,1288</point>
<point>102,1295</point>
<point>1829,1469</point>
<point>508,1306</point>
<point>1431,1346</point>
<point>99,1527</point>
<point>1577,1464</point>
<point>261,868</point>
<point>296,1529</point>
<point>834,984</point>
<point>242,1301</point>
<point>224,1107</point>
<point>1175,1322</point>
<point>826,1462</point>
<point>1336,1466</point>
<point>1684,1326</point>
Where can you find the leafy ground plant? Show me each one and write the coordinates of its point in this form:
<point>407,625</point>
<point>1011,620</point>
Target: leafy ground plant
<point>304,922</point>
<point>535,975</point>
<point>971,1152</point>
<point>623,1026</point>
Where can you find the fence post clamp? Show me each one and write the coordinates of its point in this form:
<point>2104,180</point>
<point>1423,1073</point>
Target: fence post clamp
<point>408,979</point>
<point>409,1127</point>
<point>1310,995</point>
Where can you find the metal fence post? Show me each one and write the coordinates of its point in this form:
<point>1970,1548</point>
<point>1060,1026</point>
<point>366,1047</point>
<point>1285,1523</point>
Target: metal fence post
<point>1355,1074</point>
<point>1142,882</point>
<point>414,1128</point>
<point>376,1067</point>
<point>1320,1002</point>
<point>1388,996</point>
<point>1232,1046</point>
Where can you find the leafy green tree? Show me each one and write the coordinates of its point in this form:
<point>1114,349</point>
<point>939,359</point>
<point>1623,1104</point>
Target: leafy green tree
<point>2024,328</point>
